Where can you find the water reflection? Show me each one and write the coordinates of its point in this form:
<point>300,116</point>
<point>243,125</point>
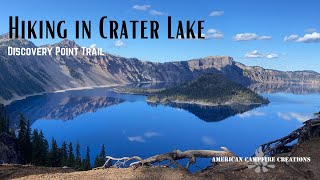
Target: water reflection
<point>68,105</point>
<point>58,106</point>
<point>212,113</point>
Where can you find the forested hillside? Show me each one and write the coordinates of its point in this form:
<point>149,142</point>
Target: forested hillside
<point>209,89</point>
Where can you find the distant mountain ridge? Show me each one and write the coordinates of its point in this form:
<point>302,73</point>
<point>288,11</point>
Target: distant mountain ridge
<point>25,75</point>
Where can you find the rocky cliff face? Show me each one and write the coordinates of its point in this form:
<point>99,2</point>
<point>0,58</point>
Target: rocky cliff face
<point>25,75</point>
<point>8,144</point>
<point>259,74</point>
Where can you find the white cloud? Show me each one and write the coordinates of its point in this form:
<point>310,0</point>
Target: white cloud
<point>293,116</point>
<point>214,34</point>
<point>284,116</point>
<point>257,54</point>
<point>264,38</point>
<point>310,38</point>
<point>292,37</point>
<point>157,13</point>
<point>151,134</point>
<point>216,13</point>
<point>307,38</point>
<point>251,114</point>
<point>208,141</point>
<point>93,46</point>
<point>142,139</point>
<point>300,117</point>
<point>119,43</point>
<point>250,37</point>
<point>141,7</point>
<point>271,56</point>
<point>136,139</point>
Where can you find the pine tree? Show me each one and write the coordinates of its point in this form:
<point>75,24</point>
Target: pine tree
<point>4,120</point>
<point>54,154</point>
<point>43,148</point>
<point>36,148</point>
<point>78,157</point>
<point>100,159</point>
<point>28,144</point>
<point>64,154</point>
<point>24,140</point>
<point>71,161</point>
<point>86,162</point>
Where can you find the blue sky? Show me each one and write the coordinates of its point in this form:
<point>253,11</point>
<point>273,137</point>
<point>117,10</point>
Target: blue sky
<point>253,32</point>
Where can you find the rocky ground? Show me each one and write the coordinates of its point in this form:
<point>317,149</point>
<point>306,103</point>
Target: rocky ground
<point>281,171</point>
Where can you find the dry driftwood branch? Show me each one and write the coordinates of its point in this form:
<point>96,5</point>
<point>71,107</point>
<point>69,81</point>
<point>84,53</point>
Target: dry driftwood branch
<point>310,129</point>
<point>178,155</point>
<point>120,162</point>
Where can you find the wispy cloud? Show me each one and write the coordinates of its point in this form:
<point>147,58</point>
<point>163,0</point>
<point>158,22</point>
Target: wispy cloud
<point>257,54</point>
<point>119,43</point>
<point>92,46</point>
<point>292,37</point>
<point>313,37</point>
<point>146,135</point>
<point>293,116</point>
<point>136,139</point>
<point>250,37</point>
<point>216,13</point>
<point>208,141</point>
<point>141,7</point>
<point>214,34</point>
<point>251,114</point>
<point>151,134</point>
<point>157,13</point>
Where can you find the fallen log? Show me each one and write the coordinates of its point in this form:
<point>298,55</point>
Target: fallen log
<point>191,155</point>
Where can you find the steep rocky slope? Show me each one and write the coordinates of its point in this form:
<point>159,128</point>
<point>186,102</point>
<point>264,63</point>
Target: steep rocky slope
<point>8,144</point>
<point>25,75</point>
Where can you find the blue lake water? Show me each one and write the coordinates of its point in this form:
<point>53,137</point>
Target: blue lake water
<point>129,126</point>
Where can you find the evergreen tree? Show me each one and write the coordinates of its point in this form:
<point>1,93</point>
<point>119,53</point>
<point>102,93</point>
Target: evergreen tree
<point>71,160</point>
<point>4,124</point>
<point>78,157</point>
<point>86,162</point>
<point>22,133</point>
<point>4,120</point>
<point>100,159</point>
<point>28,144</point>
<point>43,148</point>
<point>24,140</point>
<point>64,154</point>
<point>54,154</point>
<point>36,148</point>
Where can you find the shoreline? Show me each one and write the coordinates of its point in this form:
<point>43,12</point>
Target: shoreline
<point>204,103</point>
<point>18,98</point>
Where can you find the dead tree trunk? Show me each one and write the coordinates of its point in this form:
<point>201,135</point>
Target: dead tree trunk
<point>310,129</point>
<point>192,155</point>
